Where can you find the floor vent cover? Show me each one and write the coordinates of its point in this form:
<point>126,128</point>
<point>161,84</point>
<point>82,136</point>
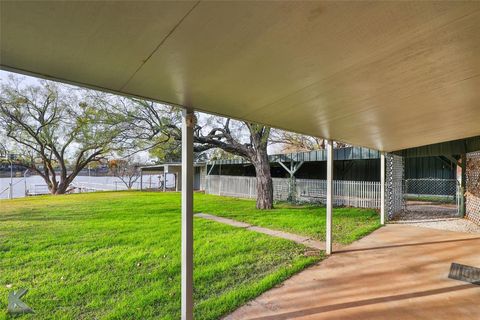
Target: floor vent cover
<point>464,273</point>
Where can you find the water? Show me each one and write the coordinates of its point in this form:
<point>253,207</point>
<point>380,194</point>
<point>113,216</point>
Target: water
<point>38,185</point>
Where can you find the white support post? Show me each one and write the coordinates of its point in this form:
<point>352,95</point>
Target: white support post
<point>187,214</point>
<point>382,188</point>
<point>328,237</point>
<point>165,180</point>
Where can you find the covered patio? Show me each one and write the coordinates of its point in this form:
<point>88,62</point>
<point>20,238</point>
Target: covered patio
<point>398,272</point>
<point>383,75</point>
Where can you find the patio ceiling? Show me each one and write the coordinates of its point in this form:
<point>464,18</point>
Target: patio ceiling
<point>385,75</point>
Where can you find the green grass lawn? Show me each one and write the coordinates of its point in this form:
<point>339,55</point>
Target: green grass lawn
<point>117,255</point>
<point>349,224</point>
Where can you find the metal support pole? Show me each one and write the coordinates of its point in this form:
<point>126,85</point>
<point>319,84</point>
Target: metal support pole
<point>11,181</point>
<point>25,182</point>
<point>328,237</point>
<point>187,214</point>
<point>382,188</point>
<point>463,186</point>
<point>141,180</point>
<point>165,180</point>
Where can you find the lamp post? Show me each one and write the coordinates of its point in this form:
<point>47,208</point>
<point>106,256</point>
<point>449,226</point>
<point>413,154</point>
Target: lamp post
<point>25,181</point>
<point>10,157</point>
<point>11,178</point>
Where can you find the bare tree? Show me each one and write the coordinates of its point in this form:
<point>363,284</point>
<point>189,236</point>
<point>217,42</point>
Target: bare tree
<point>244,139</point>
<point>254,150</point>
<point>57,129</point>
<point>126,169</point>
<point>295,142</point>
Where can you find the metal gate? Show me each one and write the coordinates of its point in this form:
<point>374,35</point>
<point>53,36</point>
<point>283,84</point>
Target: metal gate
<point>433,197</point>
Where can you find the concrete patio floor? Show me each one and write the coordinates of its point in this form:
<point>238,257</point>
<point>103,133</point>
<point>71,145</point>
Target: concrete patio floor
<point>397,272</point>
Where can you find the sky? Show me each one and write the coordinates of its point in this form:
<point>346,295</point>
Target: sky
<point>28,80</point>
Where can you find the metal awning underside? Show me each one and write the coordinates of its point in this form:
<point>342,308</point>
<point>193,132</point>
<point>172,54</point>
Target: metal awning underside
<point>384,75</point>
<point>349,153</point>
<point>163,166</point>
<point>449,148</point>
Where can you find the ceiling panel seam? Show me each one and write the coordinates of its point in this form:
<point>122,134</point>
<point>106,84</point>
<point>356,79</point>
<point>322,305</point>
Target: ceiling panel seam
<point>159,45</point>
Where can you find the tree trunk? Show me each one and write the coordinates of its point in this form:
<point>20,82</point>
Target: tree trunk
<point>63,184</point>
<point>57,188</point>
<point>52,188</point>
<point>264,181</point>
<point>61,189</point>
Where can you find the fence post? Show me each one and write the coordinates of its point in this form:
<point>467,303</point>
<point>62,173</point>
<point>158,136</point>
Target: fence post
<point>220,186</point>
<point>348,193</point>
<point>250,188</point>
<point>206,183</point>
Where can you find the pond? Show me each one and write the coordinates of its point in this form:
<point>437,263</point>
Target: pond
<point>36,184</point>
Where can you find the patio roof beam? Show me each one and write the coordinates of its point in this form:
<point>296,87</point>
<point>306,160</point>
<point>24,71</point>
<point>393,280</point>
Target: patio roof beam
<point>188,122</point>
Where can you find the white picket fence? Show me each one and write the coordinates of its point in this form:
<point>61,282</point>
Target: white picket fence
<point>362,194</point>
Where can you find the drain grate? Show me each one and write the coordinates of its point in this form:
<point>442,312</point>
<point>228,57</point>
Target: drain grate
<point>464,273</point>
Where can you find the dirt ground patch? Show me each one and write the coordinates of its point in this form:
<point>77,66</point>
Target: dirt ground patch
<point>436,216</point>
<point>455,224</point>
<point>421,210</point>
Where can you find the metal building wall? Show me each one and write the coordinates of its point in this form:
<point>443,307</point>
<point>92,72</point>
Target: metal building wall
<point>347,170</point>
<point>429,167</point>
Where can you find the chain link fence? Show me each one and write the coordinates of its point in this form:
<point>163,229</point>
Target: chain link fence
<point>441,188</point>
<point>394,187</point>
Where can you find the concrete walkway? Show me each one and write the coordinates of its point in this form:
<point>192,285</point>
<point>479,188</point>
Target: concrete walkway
<point>306,241</point>
<point>397,272</point>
